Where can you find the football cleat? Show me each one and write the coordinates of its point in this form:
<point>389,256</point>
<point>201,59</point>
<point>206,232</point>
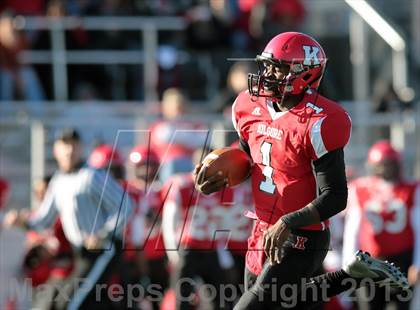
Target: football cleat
<point>381,272</point>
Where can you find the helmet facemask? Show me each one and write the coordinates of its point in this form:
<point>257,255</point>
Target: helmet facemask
<point>298,79</point>
<point>262,85</point>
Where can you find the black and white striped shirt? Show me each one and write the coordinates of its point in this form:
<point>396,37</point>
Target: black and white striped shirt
<point>88,201</point>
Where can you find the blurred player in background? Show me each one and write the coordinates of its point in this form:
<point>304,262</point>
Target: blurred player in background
<point>189,224</point>
<point>295,138</point>
<point>88,202</point>
<point>105,157</point>
<point>143,235</point>
<point>174,138</point>
<point>383,218</point>
<point>4,195</point>
<point>144,254</point>
<point>49,254</point>
<point>205,236</point>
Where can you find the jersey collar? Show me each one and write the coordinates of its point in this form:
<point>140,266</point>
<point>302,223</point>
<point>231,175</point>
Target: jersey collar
<point>273,113</point>
<point>276,115</point>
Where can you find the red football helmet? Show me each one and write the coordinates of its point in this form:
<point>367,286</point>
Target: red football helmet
<point>301,53</point>
<point>141,154</point>
<point>381,151</point>
<point>102,155</point>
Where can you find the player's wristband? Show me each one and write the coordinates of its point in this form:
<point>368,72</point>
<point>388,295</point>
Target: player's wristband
<point>303,217</point>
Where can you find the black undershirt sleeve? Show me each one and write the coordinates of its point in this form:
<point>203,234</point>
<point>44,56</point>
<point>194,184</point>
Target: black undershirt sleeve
<point>332,184</point>
<point>332,187</point>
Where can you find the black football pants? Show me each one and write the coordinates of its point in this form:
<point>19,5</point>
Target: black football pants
<point>279,286</point>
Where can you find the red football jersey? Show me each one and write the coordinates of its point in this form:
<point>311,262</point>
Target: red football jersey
<point>207,221</point>
<point>379,217</point>
<point>129,234</point>
<point>173,139</point>
<point>142,231</point>
<point>283,146</point>
<point>59,262</point>
<point>4,192</point>
<point>240,226</point>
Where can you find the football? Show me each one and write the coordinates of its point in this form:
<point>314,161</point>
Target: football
<point>234,163</point>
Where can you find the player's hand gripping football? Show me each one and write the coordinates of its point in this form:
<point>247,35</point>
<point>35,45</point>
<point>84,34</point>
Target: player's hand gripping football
<point>211,184</point>
<point>274,238</point>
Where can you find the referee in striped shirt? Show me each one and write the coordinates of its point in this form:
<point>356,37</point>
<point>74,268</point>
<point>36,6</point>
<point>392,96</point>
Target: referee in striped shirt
<point>92,208</point>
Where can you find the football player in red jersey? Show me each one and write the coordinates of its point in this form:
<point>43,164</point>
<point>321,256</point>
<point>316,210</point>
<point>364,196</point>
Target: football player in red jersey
<point>295,137</point>
<point>144,255</point>
<point>189,224</point>
<point>104,156</point>
<point>4,196</point>
<point>383,216</point>
<point>205,236</point>
<point>145,225</point>
<point>4,192</point>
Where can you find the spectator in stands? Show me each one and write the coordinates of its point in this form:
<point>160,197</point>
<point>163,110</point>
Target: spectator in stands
<point>240,13</point>
<point>17,81</point>
<point>268,18</point>
<point>385,100</point>
<point>111,38</point>
<point>175,138</point>
<point>81,7</point>
<point>85,91</point>
<point>207,27</point>
<point>84,82</point>
<point>237,81</point>
<point>23,7</point>
<point>383,218</point>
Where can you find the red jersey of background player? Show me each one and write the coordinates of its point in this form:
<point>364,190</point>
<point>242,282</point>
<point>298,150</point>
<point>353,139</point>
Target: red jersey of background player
<point>143,228</point>
<point>209,220</point>
<point>4,192</point>
<point>283,146</point>
<point>57,262</point>
<point>173,139</point>
<point>380,217</point>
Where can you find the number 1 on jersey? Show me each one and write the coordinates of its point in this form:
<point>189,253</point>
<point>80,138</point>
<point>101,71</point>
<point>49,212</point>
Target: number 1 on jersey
<point>267,185</point>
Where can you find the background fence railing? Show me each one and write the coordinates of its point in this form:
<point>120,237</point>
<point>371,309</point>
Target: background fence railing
<point>148,29</point>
